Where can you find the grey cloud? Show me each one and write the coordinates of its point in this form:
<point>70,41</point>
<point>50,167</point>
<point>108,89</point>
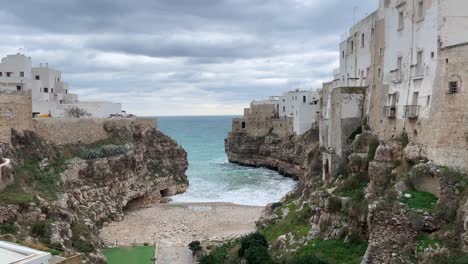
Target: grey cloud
<point>157,52</point>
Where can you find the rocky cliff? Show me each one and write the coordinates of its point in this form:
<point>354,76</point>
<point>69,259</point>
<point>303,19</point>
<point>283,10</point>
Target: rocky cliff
<point>388,204</point>
<point>63,194</point>
<point>291,156</point>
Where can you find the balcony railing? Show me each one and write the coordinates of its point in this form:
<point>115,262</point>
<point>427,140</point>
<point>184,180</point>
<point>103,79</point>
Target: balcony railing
<point>411,111</point>
<point>396,76</point>
<point>417,71</point>
<point>390,111</point>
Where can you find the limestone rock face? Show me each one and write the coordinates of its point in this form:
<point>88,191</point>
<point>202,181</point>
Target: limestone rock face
<point>96,191</point>
<point>287,155</point>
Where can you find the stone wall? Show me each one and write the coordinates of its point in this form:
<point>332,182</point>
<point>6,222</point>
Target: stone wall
<point>15,113</point>
<point>283,126</point>
<point>62,131</point>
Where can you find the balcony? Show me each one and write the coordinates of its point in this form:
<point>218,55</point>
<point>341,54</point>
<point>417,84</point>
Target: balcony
<point>390,111</point>
<point>396,76</point>
<point>417,71</point>
<point>411,111</point>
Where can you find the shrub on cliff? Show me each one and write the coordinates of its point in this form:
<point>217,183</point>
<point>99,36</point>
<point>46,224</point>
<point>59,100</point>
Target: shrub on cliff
<point>305,259</point>
<point>257,254</point>
<point>255,239</point>
<point>103,151</point>
<point>42,231</point>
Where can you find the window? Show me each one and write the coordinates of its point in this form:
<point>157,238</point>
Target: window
<point>363,38</point>
<point>1,74</point>
<point>18,88</point>
<point>66,91</point>
<point>420,10</point>
<point>284,108</point>
<point>38,77</point>
<point>428,100</point>
<point>399,63</point>
<point>379,72</point>
<point>46,90</point>
<point>21,74</point>
<point>8,74</point>
<point>432,55</point>
<point>304,99</point>
<point>342,54</point>
<point>453,87</point>
<point>372,32</point>
<point>381,51</point>
<point>401,20</point>
<point>352,46</point>
<point>52,90</point>
<point>243,125</point>
<point>420,58</point>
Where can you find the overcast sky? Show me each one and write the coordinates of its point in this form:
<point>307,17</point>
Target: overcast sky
<point>182,57</point>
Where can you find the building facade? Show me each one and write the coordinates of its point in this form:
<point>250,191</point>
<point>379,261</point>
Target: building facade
<point>410,59</point>
<point>50,94</point>
<point>303,107</point>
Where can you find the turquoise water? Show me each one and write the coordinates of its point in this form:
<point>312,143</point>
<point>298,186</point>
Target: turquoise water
<point>212,177</point>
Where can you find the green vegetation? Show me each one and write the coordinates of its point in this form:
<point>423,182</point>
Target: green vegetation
<point>404,139</point>
<point>305,259</point>
<point>103,151</point>
<point>334,204</point>
<point>353,186</point>
<point>81,237</point>
<point>421,200</point>
<point>43,181</point>
<point>128,255</point>
<point>425,241</point>
<point>335,251</point>
<point>373,145</point>
<point>42,231</point>
<point>8,228</point>
<point>296,222</point>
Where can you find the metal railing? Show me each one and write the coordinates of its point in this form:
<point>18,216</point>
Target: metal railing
<point>390,111</point>
<point>411,111</point>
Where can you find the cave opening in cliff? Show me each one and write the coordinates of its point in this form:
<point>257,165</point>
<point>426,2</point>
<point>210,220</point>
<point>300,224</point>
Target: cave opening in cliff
<point>164,193</point>
<point>136,203</point>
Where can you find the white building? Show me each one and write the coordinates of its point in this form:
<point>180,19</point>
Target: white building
<point>50,95</point>
<point>302,106</point>
<point>14,253</point>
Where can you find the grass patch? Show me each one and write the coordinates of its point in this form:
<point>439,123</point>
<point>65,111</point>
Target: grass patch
<point>425,241</point>
<point>421,200</point>
<point>296,222</point>
<point>353,187</point>
<point>335,251</point>
<point>126,255</point>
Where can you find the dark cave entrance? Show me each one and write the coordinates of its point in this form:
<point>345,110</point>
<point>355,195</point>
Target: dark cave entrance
<point>164,193</point>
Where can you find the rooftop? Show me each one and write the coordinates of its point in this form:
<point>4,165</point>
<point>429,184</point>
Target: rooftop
<point>14,253</point>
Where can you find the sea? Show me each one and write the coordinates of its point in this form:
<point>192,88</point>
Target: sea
<point>212,178</point>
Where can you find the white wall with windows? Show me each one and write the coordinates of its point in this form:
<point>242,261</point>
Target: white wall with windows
<point>50,95</point>
<point>303,106</point>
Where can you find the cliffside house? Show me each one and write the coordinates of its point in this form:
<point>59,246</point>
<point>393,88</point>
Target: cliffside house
<point>50,94</point>
<point>409,58</point>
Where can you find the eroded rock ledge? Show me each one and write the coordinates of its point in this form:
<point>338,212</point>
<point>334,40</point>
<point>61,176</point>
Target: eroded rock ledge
<point>287,155</point>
